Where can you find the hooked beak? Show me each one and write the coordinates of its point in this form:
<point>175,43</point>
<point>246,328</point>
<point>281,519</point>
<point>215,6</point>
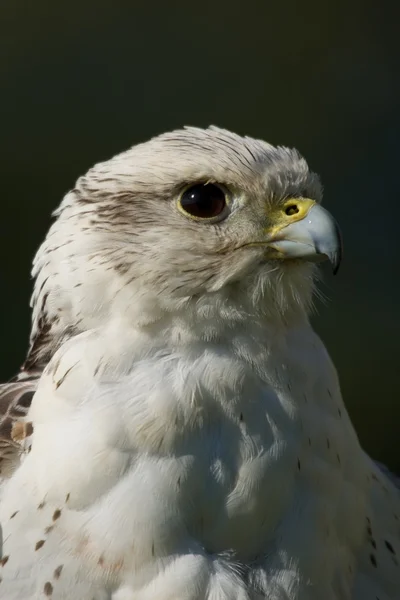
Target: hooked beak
<point>311,233</point>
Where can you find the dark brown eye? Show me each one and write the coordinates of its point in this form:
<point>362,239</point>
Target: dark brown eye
<point>203,201</point>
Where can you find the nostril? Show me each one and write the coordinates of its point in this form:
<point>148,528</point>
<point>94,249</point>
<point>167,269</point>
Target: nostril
<point>292,209</point>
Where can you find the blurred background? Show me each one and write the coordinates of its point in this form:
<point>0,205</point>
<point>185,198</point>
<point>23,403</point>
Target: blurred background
<point>84,80</point>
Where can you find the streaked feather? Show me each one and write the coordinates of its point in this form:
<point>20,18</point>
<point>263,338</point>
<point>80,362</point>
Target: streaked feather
<point>15,400</point>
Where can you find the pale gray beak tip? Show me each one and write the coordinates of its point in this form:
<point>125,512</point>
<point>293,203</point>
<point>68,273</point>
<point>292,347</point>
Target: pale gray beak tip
<point>331,245</point>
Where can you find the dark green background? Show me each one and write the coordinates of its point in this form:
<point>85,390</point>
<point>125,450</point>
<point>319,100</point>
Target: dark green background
<point>82,81</point>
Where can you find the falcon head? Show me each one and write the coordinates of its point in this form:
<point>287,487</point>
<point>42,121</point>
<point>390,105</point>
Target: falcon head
<point>189,219</point>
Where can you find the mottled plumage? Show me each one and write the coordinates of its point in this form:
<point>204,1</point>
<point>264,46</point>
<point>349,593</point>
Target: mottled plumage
<point>188,439</point>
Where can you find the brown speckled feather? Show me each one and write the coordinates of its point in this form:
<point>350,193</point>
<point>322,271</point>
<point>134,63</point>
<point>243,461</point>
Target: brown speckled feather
<point>15,400</point>
<point>16,395</point>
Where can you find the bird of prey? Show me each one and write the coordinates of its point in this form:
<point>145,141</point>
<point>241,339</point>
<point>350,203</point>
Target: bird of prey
<point>177,431</point>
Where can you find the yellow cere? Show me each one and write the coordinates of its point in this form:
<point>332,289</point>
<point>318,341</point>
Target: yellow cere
<point>294,209</point>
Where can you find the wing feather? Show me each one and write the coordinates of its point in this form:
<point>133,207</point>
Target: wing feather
<point>15,400</point>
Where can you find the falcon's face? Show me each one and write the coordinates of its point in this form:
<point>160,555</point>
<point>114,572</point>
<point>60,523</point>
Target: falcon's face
<point>212,232</point>
<point>187,214</point>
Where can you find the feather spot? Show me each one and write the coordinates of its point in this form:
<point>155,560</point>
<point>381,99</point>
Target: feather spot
<point>39,544</point>
<point>41,505</point>
<point>56,514</point>
<point>14,514</point>
<point>63,377</point>
<point>57,572</point>
<point>113,567</point>
<point>372,558</point>
<point>298,464</point>
<point>48,588</point>
<point>4,560</point>
<point>390,547</point>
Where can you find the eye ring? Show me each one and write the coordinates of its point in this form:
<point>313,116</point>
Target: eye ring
<point>204,202</point>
